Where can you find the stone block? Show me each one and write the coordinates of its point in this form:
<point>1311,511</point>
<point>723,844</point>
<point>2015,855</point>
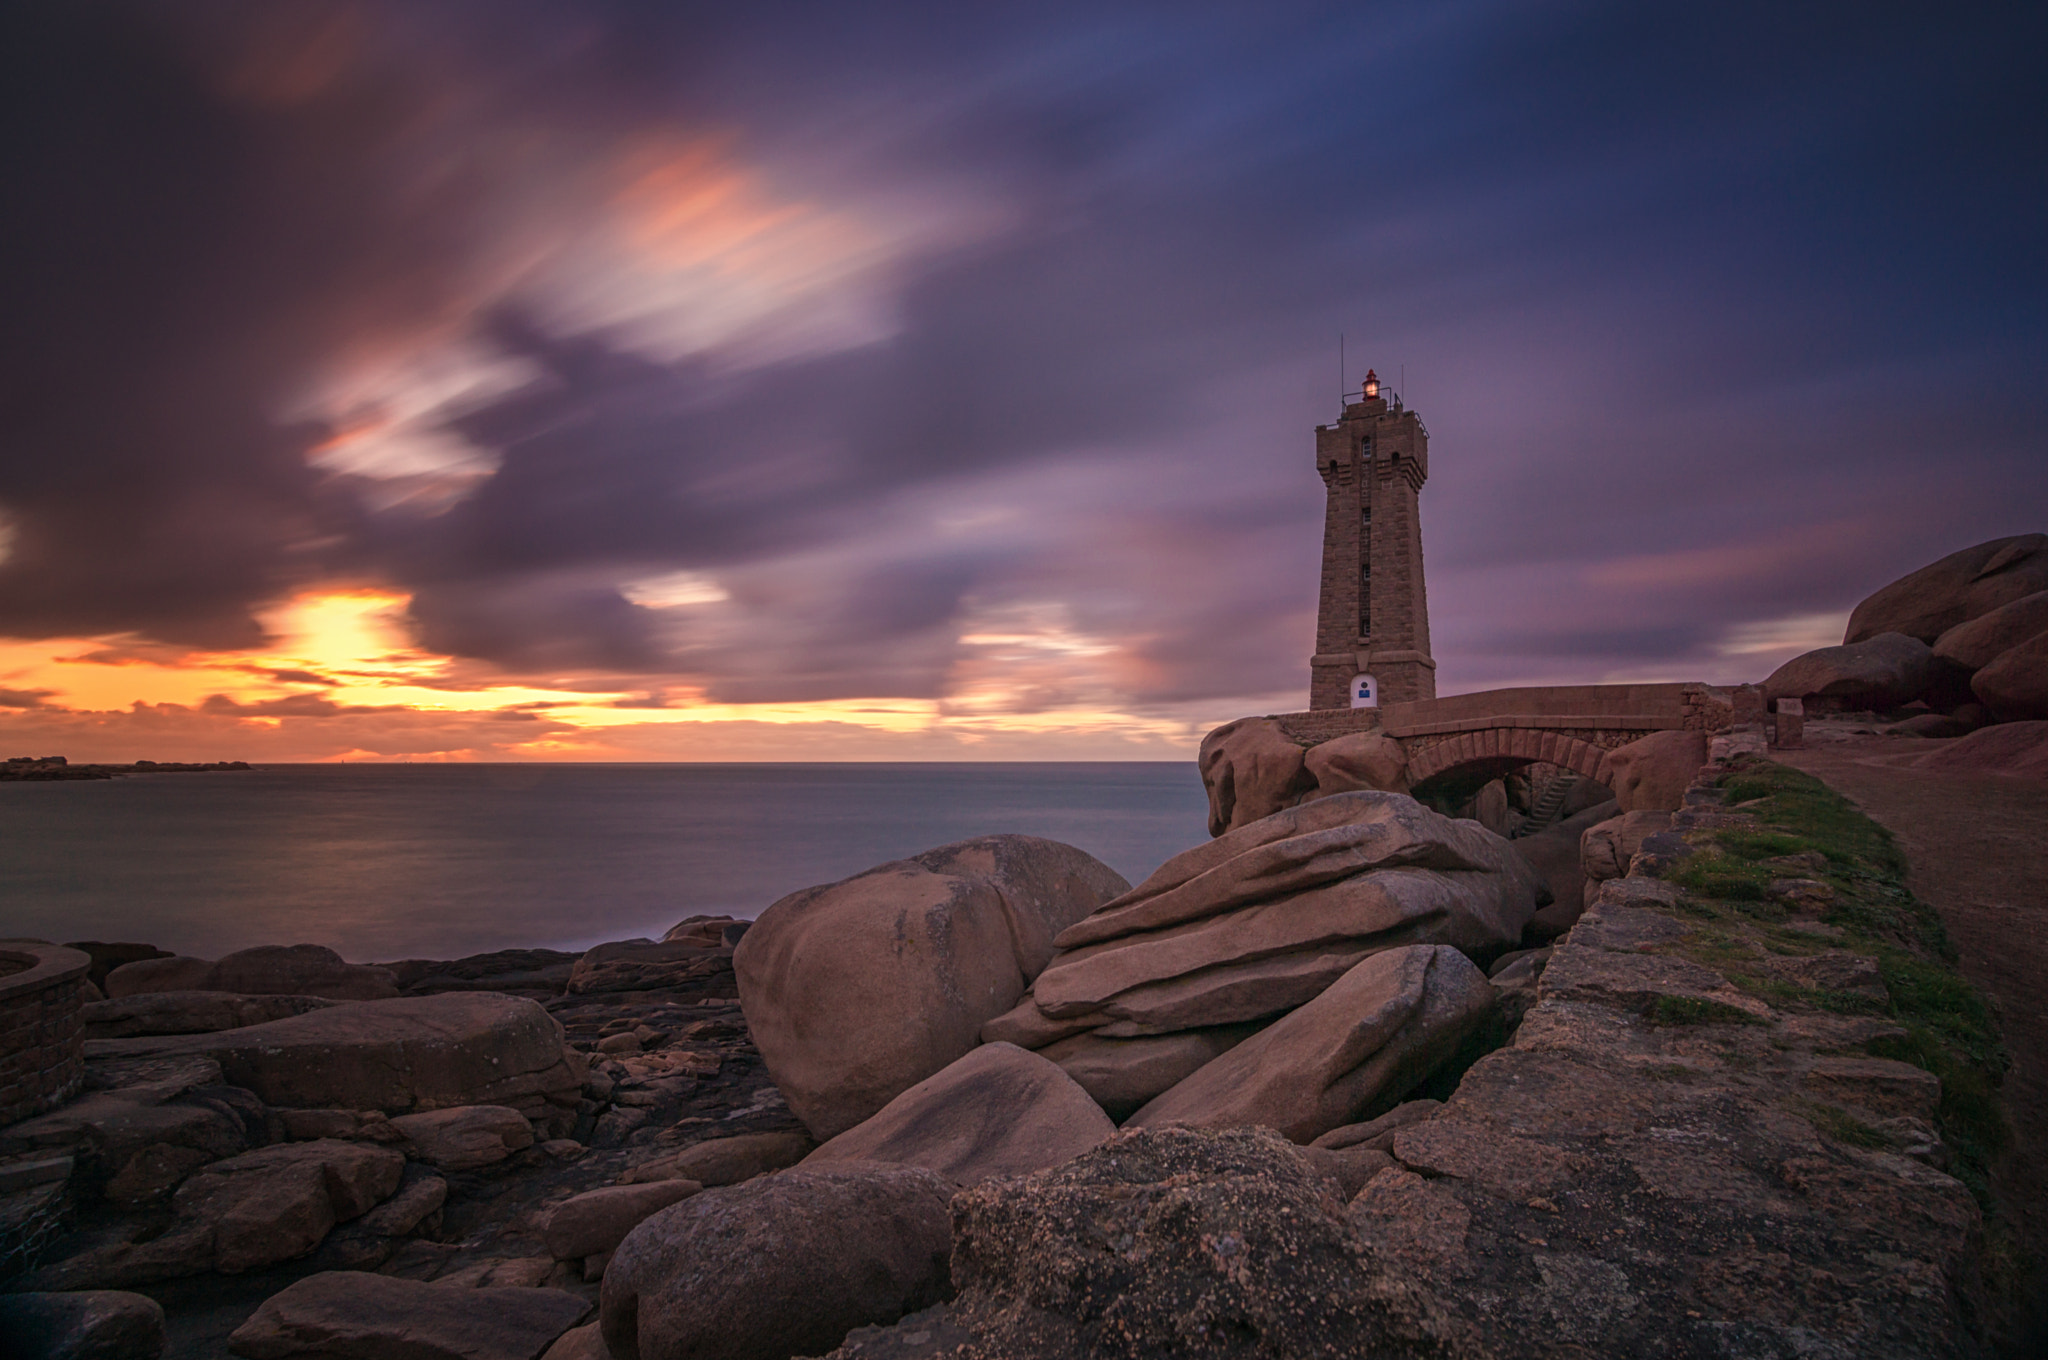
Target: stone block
<point>1788,731</point>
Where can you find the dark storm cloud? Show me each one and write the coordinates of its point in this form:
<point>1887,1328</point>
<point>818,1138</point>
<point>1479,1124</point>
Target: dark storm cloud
<point>178,253</point>
<point>1755,286</point>
<point>535,625</point>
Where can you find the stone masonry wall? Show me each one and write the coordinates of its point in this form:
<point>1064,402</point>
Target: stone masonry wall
<point>1373,462</point>
<point>42,1037</point>
<point>1400,598</point>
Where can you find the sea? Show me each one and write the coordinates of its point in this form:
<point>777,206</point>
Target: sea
<point>386,862</point>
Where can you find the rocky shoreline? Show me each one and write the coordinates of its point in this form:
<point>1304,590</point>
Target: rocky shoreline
<point>51,769</point>
<point>665,1063</point>
<point>1666,1132</point>
<point>1667,1063</point>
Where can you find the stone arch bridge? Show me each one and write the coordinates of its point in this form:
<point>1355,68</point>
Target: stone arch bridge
<point>1480,736</point>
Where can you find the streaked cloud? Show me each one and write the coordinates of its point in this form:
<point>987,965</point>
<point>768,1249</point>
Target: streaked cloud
<point>583,379</point>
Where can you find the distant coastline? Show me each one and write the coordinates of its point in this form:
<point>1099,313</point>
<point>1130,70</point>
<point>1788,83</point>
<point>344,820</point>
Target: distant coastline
<point>43,769</point>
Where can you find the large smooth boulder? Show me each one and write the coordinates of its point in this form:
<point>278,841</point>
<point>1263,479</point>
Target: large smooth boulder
<point>1878,673</point>
<point>354,1315</point>
<point>1230,993</point>
<point>2015,685</point>
<point>87,1324</point>
<point>1585,793</point>
<point>134,1144</point>
<point>2014,748</point>
<point>1553,854</point>
<point>1977,643</point>
<point>369,1241</point>
<point>189,1013</point>
<point>464,1137</point>
<point>107,955</point>
<point>1352,1052</point>
<point>598,1220</point>
<point>858,990</point>
<point>1251,769</point>
<point>728,1161</point>
<point>999,1111</point>
<point>1310,847</point>
<point>1936,726</point>
<point>267,970</point>
<point>1262,919</point>
<point>639,965</point>
<point>1962,586</point>
<point>1122,1074</point>
<point>1650,774</point>
<point>1347,1169</point>
<point>1358,760</point>
<point>539,973</point>
<point>1378,1132</point>
<point>278,1202</point>
<point>244,1213</point>
<point>579,1343</point>
<point>398,1056</point>
<point>1168,1242</point>
<point>783,1265</point>
<point>1491,809</point>
<point>1607,847</point>
<point>708,932</point>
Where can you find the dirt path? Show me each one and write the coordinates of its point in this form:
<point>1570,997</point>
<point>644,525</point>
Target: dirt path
<point>1978,845</point>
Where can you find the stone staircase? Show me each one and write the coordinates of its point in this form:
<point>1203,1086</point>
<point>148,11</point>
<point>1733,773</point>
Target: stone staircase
<point>1547,805</point>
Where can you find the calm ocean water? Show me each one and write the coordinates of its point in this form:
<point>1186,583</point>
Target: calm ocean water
<point>384,862</point>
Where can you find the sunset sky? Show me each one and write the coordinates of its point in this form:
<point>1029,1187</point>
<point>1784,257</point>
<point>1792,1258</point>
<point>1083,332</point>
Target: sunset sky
<point>592,380</point>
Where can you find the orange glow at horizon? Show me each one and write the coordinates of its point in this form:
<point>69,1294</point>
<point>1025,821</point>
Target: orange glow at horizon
<point>347,653</point>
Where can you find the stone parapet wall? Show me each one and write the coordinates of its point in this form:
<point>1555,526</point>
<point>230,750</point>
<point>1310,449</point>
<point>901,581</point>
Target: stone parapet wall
<point>42,1034</point>
<point>1582,717</point>
<point>1567,705</point>
<point>1716,708</point>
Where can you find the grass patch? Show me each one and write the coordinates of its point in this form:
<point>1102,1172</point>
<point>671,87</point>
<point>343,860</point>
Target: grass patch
<point>1727,880</point>
<point>1942,1002</point>
<point>1950,1028</point>
<point>1798,806</point>
<point>1779,992</point>
<point>1840,1125</point>
<point>1971,1116</point>
<point>1753,845</point>
<point>1713,948</point>
<point>1693,1010</point>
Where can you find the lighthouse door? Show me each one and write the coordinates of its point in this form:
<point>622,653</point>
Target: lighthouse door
<point>1365,692</point>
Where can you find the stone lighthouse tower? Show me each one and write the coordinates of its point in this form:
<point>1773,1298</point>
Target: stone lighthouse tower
<point>1372,631</point>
